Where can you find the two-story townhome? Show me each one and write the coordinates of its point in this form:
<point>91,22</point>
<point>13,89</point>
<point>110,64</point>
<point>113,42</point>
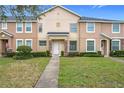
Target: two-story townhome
<point>14,33</point>
<point>60,29</point>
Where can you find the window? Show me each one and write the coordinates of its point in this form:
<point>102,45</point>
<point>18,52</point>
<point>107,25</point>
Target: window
<point>73,45</point>
<point>73,27</point>
<point>28,42</point>
<point>19,42</point>
<point>40,27</point>
<point>42,42</point>
<point>115,45</point>
<point>116,28</point>
<point>19,27</point>
<point>90,46</point>
<point>4,25</point>
<point>90,27</point>
<point>28,27</point>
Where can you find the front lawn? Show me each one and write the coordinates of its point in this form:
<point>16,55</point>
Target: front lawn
<point>21,73</point>
<point>90,72</point>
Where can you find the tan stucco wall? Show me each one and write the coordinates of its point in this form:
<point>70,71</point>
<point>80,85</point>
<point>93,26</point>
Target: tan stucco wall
<point>33,35</point>
<point>58,15</point>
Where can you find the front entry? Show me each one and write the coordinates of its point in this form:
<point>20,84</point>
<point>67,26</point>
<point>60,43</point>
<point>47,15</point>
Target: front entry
<point>104,47</point>
<point>3,46</point>
<point>57,47</point>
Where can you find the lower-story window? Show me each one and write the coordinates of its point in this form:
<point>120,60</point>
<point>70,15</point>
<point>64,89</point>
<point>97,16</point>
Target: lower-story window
<point>73,46</point>
<point>115,45</point>
<point>19,42</point>
<point>42,42</point>
<point>90,45</point>
<point>28,42</point>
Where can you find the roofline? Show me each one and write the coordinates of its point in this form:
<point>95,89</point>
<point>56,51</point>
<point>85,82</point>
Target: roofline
<point>21,21</point>
<point>60,7</point>
<point>103,34</point>
<point>7,33</point>
<point>100,21</point>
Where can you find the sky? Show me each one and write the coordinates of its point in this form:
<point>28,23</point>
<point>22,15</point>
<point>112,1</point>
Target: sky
<point>99,11</point>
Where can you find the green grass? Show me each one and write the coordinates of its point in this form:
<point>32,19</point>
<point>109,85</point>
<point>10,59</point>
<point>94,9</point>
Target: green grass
<point>90,72</point>
<point>21,73</point>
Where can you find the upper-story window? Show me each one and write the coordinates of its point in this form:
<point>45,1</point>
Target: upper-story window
<point>90,27</point>
<point>19,27</point>
<point>4,25</point>
<point>28,27</point>
<point>40,27</point>
<point>73,27</point>
<point>115,28</point>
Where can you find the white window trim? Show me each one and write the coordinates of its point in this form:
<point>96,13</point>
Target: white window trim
<point>119,42</point>
<point>30,40</point>
<point>17,40</point>
<point>87,28</point>
<point>16,27</point>
<point>94,45</point>
<point>25,27</point>
<point>76,46</point>
<point>119,28</point>
<point>6,25</point>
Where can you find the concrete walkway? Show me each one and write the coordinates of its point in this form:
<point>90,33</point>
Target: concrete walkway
<point>49,78</point>
<point>117,59</point>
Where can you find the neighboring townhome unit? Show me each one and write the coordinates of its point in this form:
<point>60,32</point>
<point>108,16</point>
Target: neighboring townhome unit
<point>14,33</point>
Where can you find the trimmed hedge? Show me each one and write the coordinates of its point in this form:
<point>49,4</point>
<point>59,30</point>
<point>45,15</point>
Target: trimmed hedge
<point>73,54</point>
<point>39,54</point>
<point>117,53</point>
<point>91,54</point>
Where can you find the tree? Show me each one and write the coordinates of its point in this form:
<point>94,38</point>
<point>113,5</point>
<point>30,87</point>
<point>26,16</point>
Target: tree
<point>21,11</point>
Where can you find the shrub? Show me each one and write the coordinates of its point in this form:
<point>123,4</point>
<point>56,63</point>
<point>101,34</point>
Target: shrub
<point>48,53</point>
<point>99,52</point>
<point>73,54</point>
<point>11,54</point>
<point>62,53</point>
<point>23,52</point>
<point>91,54</point>
<point>117,53</point>
<point>40,54</point>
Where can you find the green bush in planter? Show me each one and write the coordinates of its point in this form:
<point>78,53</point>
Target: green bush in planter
<point>48,53</point>
<point>23,52</point>
<point>62,53</point>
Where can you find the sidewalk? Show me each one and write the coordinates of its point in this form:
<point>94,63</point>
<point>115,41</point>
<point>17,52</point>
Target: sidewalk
<point>49,78</point>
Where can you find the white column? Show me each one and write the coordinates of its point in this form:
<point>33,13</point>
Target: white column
<point>108,48</point>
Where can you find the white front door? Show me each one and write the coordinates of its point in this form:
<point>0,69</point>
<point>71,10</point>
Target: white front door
<point>55,48</point>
